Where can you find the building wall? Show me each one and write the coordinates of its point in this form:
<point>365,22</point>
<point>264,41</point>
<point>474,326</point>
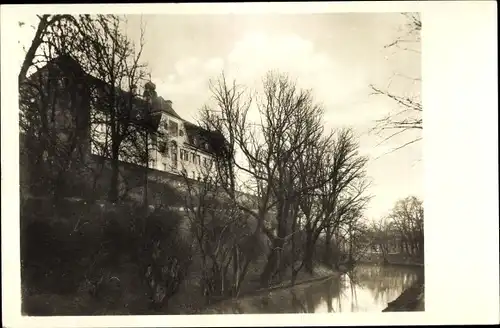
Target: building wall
<point>178,154</point>
<point>68,108</point>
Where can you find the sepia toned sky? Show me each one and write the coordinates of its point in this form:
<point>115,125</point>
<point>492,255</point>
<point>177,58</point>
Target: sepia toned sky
<point>336,55</point>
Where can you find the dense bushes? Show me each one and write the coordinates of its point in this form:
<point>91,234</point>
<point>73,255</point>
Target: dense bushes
<point>79,248</point>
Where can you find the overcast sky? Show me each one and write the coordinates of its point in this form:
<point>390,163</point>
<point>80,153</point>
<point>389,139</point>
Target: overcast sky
<point>336,55</point>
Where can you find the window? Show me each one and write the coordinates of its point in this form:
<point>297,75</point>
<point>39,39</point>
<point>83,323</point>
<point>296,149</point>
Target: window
<point>206,146</point>
<point>173,146</point>
<point>154,141</point>
<point>181,133</point>
<point>163,147</point>
<point>173,128</point>
<point>184,155</point>
<point>164,167</point>
<point>198,159</point>
<point>194,175</point>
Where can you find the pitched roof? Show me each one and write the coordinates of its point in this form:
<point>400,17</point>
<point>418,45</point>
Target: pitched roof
<point>162,105</point>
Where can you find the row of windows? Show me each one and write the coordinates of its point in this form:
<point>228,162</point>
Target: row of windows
<point>190,157</point>
<point>174,130</point>
<point>163,148</point>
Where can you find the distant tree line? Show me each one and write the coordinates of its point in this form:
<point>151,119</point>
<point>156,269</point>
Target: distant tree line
<point>402,231</point>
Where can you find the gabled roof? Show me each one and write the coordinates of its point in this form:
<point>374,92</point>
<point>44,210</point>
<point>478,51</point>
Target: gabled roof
<point>215,140</point>
<point>162,105</point>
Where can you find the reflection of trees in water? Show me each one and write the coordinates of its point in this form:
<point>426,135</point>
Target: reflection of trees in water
<point>332,293</point>
<point>383,281</point>
<point>301,299</point>
<point>354,297</point>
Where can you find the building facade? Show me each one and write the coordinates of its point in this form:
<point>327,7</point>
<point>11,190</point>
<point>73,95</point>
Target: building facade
<point>174,145</point>
<point>66,134</point>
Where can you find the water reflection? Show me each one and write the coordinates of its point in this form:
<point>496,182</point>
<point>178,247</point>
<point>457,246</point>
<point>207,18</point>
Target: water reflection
<point>367,288</point>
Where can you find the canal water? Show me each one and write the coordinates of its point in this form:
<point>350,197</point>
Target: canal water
<point>367,288</point>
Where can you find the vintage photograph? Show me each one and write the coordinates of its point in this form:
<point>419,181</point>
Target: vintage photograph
<point>220,163</point>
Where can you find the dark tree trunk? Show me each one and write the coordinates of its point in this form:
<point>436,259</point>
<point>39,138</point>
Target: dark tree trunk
<point>115,171</point>
<point>271,264</point>
<point>327,256</point>
<point>275,257</point>
<point>309,254</point>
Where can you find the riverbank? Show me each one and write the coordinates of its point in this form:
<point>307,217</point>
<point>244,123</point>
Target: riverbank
<point>403,264</point>
<point>121,300</point>
<point>412,299</point>
<point>188,303</point>
<point>397,259</point>
<point>266,300</point>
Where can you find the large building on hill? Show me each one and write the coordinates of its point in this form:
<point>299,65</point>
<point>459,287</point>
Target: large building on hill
<point>174,144</point>
<point>71,108</point>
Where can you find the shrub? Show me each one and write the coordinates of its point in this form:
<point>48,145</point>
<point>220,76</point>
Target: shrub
<point>50,256</point>
<point>89,249</point>
<point>165,254</point>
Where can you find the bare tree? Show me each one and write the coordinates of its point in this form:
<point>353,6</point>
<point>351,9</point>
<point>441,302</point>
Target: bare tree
<point>98,62</point>
<point>222,234</point>
<point>287,160</point>
<point>291,125</point>
<point>343,169</point>
<point>114,61</point>
<point>408,116</point>
<point>402,231</point>
<point>51,30</point>
<point>304,181</point>
<point>52,139</point>
<point>381,236</point>
<point>407,217</point>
